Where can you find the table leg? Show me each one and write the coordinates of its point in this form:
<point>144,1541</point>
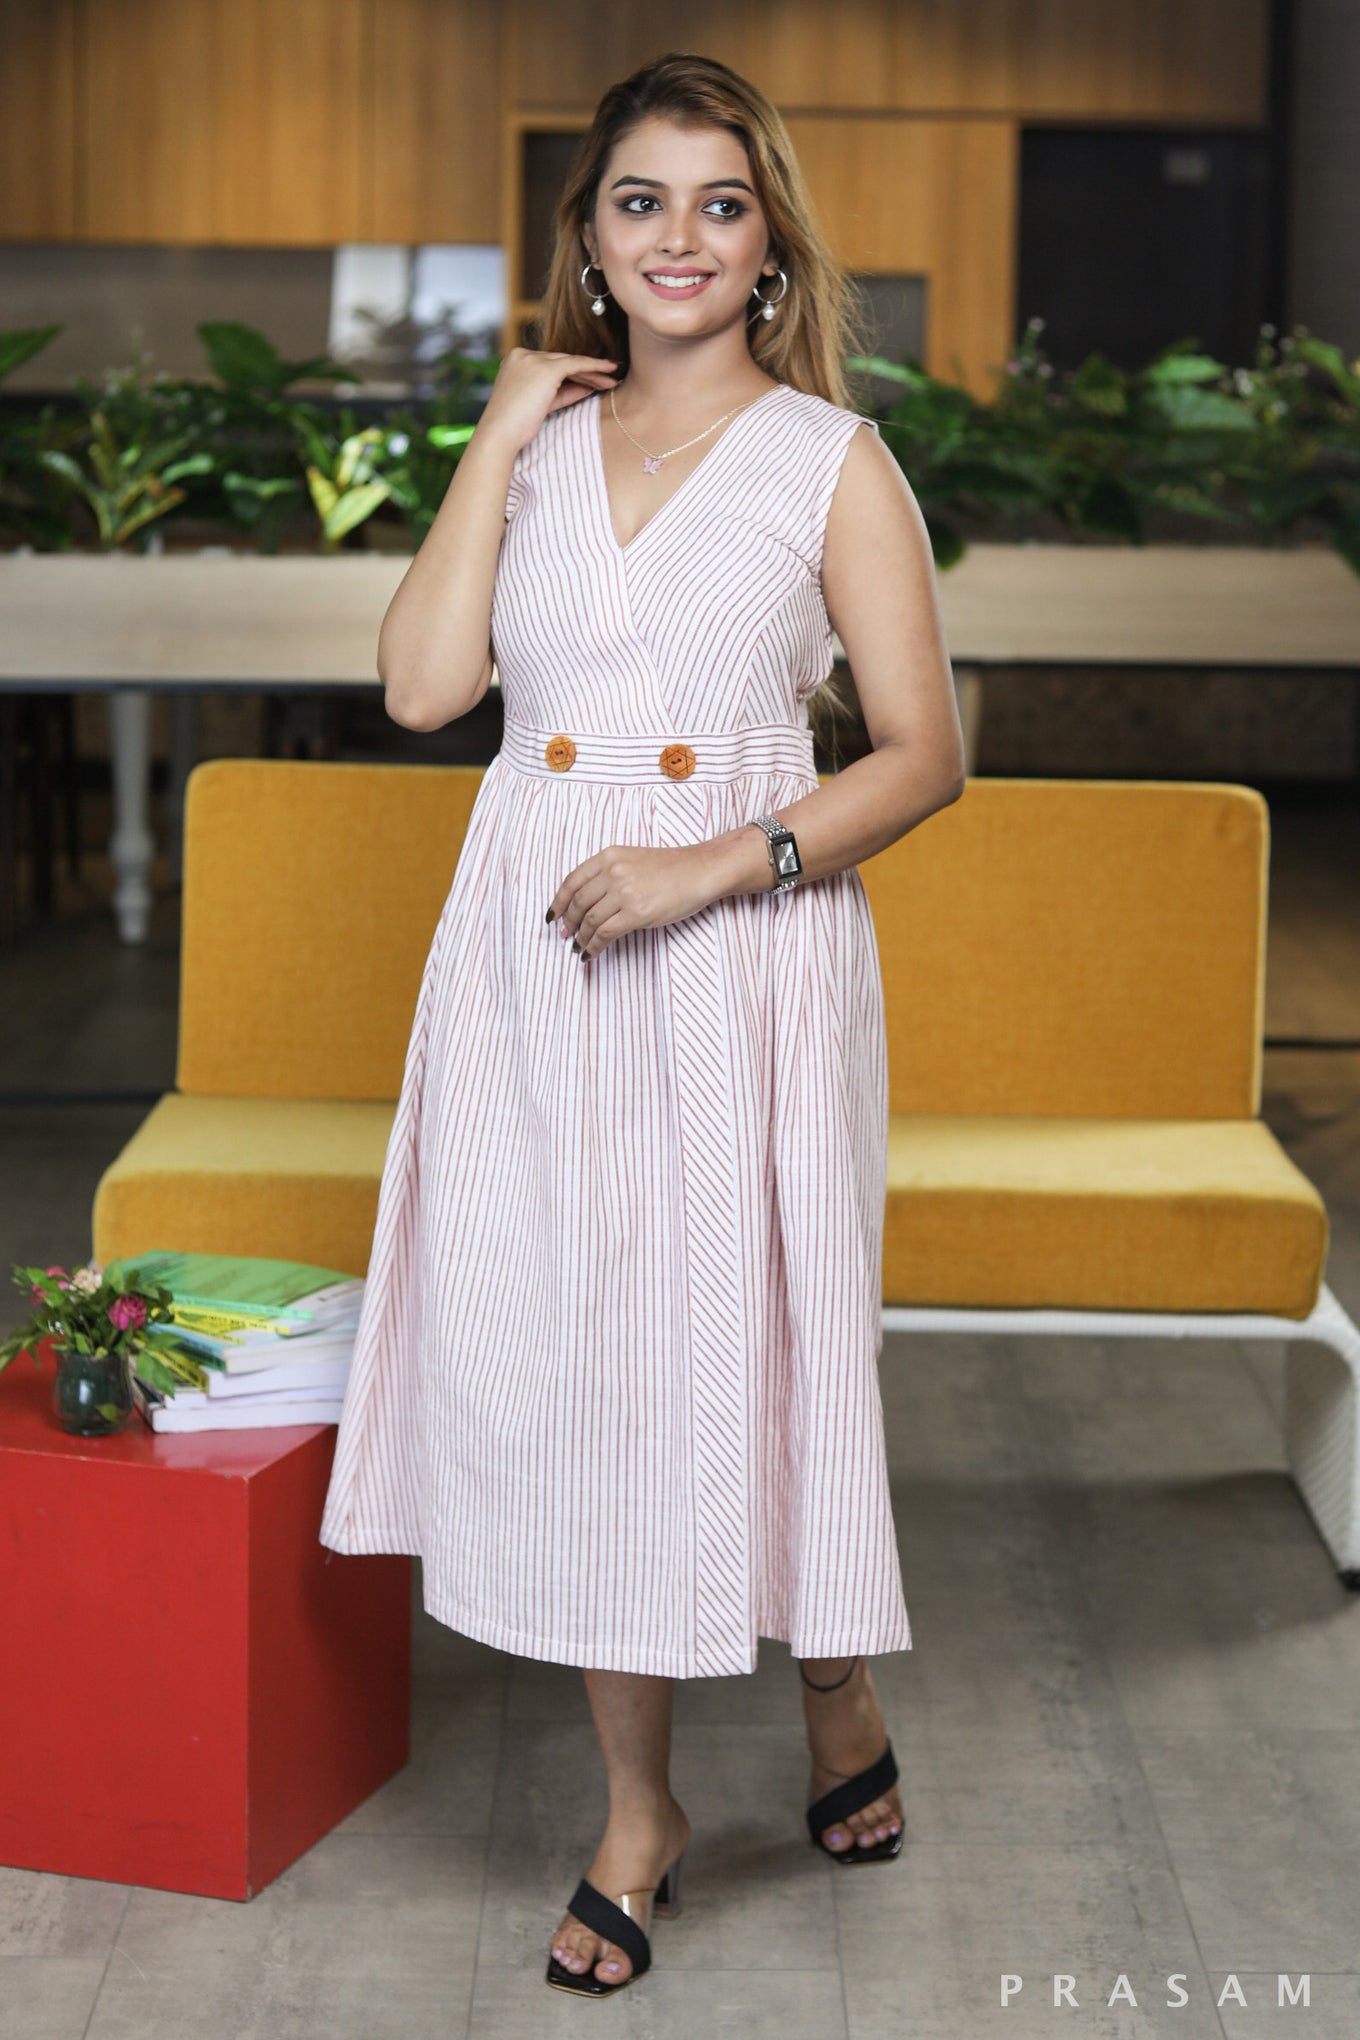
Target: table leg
<point>132,845</point>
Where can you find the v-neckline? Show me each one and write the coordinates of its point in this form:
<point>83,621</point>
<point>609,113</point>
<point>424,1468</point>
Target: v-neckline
<point>621,547</point>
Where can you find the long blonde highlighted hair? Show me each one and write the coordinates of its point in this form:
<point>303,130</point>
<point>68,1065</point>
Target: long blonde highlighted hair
<point>816,322</point>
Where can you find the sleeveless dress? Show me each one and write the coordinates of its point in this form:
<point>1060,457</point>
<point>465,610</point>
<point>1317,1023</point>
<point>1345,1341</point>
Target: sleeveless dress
<point>615,1379</point>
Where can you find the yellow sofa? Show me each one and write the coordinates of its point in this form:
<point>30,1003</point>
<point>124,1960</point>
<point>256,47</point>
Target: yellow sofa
<point>1073,976</point>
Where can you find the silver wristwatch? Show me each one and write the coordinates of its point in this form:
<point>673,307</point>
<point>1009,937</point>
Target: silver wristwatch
<point>788,866</point>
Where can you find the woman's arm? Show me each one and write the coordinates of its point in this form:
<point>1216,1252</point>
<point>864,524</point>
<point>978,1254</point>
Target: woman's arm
<point>434,648</point>
<point>878,580</point>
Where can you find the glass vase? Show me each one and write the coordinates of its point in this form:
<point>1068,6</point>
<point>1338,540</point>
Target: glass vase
<point>92,1396</point>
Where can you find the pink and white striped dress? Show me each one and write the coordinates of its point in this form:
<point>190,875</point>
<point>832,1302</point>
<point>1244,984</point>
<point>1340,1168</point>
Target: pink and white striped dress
<point>616,1376</point>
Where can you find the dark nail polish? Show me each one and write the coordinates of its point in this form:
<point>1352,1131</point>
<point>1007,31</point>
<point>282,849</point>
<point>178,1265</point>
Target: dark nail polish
<point>576,945</point>
<point>548,916</point>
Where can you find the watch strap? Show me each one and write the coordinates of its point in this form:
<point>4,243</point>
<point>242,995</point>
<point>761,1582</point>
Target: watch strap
<point>777,832</point>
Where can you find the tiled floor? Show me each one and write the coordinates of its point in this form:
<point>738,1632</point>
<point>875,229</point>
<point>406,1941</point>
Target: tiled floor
<point>1129,1728</point>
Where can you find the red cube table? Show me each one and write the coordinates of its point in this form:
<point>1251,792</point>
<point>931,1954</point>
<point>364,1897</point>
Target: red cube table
<point>195,1688</point>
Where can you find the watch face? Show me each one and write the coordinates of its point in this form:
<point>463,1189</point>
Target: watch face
<point>786,859</point>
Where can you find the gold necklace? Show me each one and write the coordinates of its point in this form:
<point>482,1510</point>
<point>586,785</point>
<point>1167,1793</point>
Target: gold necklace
<point>651,462</point>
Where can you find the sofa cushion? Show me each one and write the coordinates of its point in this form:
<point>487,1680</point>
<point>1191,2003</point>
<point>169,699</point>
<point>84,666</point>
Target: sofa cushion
<point>295,1178</point>
<point>1090,948</point>
<point>1108,1213</point>
<point>311,894</point>
<point>1117,1214</point>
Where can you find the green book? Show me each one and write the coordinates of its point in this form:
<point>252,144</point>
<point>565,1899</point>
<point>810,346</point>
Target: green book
<point>249,1292</point>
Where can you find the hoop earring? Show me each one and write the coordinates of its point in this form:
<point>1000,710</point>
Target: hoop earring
<point>600,295</point>
<point>768,304</point>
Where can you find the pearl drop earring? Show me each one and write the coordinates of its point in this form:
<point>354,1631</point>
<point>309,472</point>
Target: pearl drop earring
<point>768,304</point>
<point>601,294</point>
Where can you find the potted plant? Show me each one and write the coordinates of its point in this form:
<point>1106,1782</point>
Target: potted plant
<point>1091,513</point>
<point>140,439</point>
<point>1098,453</point>
<point>103,1325</point>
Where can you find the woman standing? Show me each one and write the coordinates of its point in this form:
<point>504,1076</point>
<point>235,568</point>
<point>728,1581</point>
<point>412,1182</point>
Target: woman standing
<point>616,1379</point>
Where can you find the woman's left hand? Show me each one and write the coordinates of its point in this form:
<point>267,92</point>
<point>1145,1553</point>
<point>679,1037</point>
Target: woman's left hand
<point>630,886</point>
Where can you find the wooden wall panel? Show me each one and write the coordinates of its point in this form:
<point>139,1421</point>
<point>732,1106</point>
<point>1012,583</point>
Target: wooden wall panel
<point>291,126</point>
<point>567,54</point>
<point>891,56</point>
<point>230,121</point>
<point>932,198</point>
<point>330,120</point>
<point>433,162</point>
<point>147,120</point>
<point>37,119</point>
<point>1194,60</point>
<point>1024,59</point>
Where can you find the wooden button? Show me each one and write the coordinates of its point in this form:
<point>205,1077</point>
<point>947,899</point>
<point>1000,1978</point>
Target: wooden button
<point>677,761</point>
<point>560,753</point>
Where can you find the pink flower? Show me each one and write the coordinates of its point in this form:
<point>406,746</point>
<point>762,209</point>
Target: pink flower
<point>127,1312</point>
<point>60,1273</point>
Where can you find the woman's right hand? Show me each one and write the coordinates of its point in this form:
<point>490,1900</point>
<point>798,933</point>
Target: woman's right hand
<point>530,382</point>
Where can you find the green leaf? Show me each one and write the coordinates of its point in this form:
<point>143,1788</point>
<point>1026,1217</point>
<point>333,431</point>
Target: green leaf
<point>1332,361</point>
<point>319,447</point>
<point>158,508</point>
<point>61,464</point>
<point>319,369</point>
<point>152,1370</point>
<point>1186,497</point>
<point>264,488</point>
<point>352,455</point>
<point>1185,368</point>
<point>240,357</point>
<point>325,495</point>
<point>21,343</point>
<point>354,507</point>
<point>894,371</point>
<point>161,451</point>
<point>1197,410</point>
<point>193,464</point>
<point>1101,387</point>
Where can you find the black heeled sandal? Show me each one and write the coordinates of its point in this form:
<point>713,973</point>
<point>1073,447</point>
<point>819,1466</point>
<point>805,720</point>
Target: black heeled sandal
<point>625,1923</point>
<point>852,1795</point>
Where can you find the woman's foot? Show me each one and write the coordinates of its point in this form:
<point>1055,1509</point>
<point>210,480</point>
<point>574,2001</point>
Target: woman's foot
<point>846,1733</point>
<point>638,1847</point>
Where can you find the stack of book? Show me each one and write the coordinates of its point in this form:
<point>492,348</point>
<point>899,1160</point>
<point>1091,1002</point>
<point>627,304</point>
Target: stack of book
<point>275,1337</point>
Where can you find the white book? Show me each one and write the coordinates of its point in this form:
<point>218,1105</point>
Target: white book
<point>320,1377</point>
<point>228,1416</point>
<point>200,1413</point>
<point>186,1397</point>
<point>309,1351</point>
